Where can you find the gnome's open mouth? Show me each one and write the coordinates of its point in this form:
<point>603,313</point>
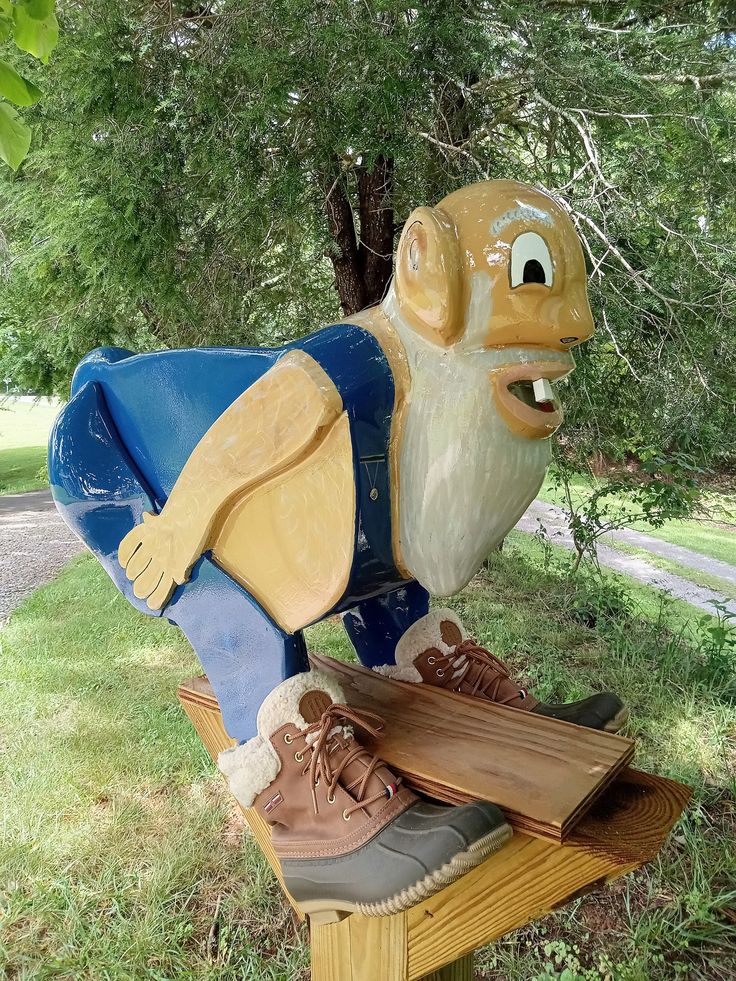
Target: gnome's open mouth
<point>526,398</point>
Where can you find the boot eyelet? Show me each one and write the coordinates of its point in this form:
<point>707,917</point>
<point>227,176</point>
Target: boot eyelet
<point>440,674</point>
<point>288,739</point>
<point>330,798</point>
<point>299,757</point>
<point>316,782</point>
<point>345,815</point>
<point>431,660</point>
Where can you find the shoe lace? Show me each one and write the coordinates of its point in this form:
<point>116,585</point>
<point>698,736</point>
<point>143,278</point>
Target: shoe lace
<point>323,738</point>
<point>492,673</point>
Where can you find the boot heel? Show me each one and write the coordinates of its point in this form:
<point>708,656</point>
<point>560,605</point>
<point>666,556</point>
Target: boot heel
<point>326,916</point>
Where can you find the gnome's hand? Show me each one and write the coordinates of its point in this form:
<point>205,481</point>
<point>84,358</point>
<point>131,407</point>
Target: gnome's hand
<point>156,558</point>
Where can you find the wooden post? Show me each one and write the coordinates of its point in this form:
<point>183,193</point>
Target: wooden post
<point>365,948</point>
<point>530,876</point>
<point>361,948</point>
<point>461,970</point>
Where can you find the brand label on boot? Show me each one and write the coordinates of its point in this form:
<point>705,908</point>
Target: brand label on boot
<point>274,802</point>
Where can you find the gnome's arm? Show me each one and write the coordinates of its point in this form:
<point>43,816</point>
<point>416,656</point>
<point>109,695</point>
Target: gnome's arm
<point>276,423</point>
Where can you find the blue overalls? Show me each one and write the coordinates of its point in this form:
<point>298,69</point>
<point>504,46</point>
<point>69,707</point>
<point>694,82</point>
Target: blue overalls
<point>121,442</point>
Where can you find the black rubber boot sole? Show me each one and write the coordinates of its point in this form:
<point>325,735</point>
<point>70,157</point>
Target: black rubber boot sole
<point>425,849</point>
<point>605,712</point>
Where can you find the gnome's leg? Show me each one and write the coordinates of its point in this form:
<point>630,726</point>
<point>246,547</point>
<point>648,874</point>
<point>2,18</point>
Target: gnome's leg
<point>376,625</point>
<point>243,652</point>
<point>101,495</point>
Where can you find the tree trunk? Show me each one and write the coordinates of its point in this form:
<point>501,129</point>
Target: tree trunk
<point>362,257</point>
<point>376,247</point>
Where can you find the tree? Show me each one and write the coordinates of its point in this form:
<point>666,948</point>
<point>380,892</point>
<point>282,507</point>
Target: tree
<point>208,170</point>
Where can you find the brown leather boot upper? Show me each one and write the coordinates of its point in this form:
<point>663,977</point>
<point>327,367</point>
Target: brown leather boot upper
<point>331,795</point>
<point>470,669</point>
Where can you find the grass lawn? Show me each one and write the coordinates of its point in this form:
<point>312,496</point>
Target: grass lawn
<point>23,470</point>
<point>716,541</point>
<point>715,537</point>
<point>24,436</point>
<point>123,858</point>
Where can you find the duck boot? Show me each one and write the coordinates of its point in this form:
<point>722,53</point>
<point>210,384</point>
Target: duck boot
<point>436,650</point>
<point>349,836</point>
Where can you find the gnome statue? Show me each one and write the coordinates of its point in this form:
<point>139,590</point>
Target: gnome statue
<point>247,493</point>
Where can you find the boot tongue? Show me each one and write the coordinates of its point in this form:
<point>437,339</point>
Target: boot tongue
<point>450,633</point>
<point>313,705</point>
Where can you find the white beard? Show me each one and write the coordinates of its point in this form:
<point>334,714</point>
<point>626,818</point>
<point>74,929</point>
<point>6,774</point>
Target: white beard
<point>464,478</point>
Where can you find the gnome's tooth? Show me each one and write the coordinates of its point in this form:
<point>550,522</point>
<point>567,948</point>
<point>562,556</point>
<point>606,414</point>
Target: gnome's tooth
<point>543,390</point>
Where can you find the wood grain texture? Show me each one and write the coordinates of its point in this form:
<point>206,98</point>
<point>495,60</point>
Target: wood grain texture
<point>631,820</point>
<point>379,948</point>
<point>361,948</point>
<point>529,877</point>
<point>461,970</point>
<point>541,772</point>
<point>332,951</point>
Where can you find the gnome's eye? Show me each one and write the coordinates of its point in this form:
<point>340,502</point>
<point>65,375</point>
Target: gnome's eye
<point>530,260</point>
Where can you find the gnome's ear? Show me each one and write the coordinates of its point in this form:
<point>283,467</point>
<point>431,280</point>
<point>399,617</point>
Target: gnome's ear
<point>428,280</point>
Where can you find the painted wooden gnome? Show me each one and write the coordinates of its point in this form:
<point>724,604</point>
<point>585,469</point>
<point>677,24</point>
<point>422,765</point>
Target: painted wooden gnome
<point>247,493</point>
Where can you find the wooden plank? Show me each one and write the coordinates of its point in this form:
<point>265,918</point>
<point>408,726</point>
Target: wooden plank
<point>530,877</point>
<point>543,773</point>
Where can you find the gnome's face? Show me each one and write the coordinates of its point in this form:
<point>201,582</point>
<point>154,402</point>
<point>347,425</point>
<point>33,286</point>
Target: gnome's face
<point>489,297</point>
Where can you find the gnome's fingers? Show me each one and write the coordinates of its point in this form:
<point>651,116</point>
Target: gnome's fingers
<point>148,580</point>
<point>129,544</point>
<point>139,562</point>
<point>161,594</point>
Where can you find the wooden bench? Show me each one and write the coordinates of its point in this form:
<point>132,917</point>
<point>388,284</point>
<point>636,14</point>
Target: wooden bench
<point>581,816</point>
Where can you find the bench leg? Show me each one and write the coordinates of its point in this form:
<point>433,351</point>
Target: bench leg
<point>366,948</point>
<point>360,948</point>
<point>461,970</point>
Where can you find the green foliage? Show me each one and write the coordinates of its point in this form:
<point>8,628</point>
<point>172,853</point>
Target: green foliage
<point>16,88</point>
<point>663,488</point>
<point>176,192</point>
<point>15,136</point>
<point>34,28</point>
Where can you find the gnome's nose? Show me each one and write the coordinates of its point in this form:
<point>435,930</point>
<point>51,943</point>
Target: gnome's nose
<point>537,318</point>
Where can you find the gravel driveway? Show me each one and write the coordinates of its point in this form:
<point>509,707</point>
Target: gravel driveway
<point>34,545</point>
<point>554,522</point>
